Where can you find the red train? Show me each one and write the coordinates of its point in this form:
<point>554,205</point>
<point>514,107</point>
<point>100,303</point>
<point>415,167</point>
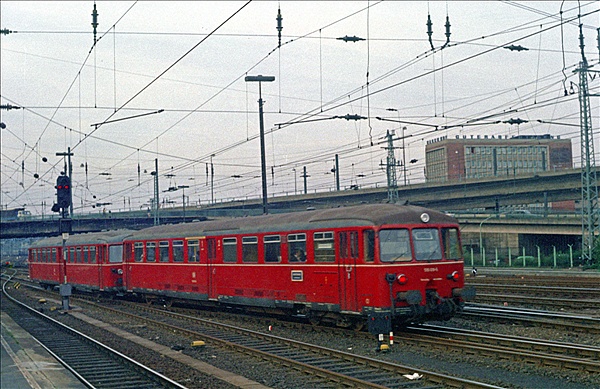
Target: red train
<point>382,264</point>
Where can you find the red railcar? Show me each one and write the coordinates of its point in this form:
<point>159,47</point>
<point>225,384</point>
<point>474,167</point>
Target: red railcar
<point>378,264</point>
<point>92,262</point>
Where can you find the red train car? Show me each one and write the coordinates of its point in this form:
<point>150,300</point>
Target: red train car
<point>382,264</point>
<point>94,261</point>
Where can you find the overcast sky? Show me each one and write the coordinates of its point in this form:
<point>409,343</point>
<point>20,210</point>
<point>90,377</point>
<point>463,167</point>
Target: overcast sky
<point>190,59</point>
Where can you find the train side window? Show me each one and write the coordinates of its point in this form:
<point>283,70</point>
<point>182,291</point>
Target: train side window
<point>193,251</point>
<point>115,254</point>
<point>324,247</point>
<point>297,247</point>
<point>178,251</point>
<point>369,245</point>
<point>79,254</point>
<point>230,250</point>
<point>138,251</point>
<point>250,249</point>
<point>272,248</point>
<point>451,243</point>
<point>163,249</point>
<point>53,258</point>
<point>150,251</point>
<point>86,254</point>
<point>92,254</point>
<point>72,257</point>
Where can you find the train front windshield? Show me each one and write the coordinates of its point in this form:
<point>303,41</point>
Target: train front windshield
<point>395,244</point>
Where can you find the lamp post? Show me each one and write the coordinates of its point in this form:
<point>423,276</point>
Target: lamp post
<point>260,79</point>
<point>481,251</point>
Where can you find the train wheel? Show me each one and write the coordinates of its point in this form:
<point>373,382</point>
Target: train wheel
<point>315,319</point>
<point>358,325</point>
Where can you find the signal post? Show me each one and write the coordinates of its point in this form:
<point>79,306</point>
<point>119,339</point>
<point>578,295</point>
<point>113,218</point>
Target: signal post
<point>64,200</point>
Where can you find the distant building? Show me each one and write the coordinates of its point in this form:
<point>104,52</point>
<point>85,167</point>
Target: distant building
<point>473,157</point>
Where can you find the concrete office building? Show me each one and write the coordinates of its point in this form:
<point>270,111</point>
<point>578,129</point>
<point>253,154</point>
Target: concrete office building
<point>476,156</point>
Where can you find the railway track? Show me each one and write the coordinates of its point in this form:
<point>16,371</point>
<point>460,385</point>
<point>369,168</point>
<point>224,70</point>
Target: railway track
<point>94,364</point>
<point>548,291</point>
<point>535,300</point>
<point>531,351</point>
<point>334,366</point>
<point>548,319</point>
<point>581,280</point>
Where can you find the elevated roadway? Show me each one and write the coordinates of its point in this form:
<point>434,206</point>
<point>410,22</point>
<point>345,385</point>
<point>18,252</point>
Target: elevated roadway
<point>479,195</point>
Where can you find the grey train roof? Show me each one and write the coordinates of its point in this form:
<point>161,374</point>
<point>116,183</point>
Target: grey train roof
<point>103,237</point>
<point>361,215</point>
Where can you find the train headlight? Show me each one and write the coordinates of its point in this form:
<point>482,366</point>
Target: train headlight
<point>120,271</point>
<point>425,217</point>
<point>402,279</point>
<point>455,276</point>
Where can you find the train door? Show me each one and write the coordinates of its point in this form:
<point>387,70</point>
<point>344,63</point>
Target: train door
<point>348,255</point>
<point>211,259</point>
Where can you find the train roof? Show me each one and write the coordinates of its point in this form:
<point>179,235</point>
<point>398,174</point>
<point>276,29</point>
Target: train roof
<point>361,215</point>
<point>102,237</point>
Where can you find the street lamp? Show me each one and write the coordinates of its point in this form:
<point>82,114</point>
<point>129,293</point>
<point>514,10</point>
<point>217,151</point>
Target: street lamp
<point>481,239</point>
<point>260,79</point>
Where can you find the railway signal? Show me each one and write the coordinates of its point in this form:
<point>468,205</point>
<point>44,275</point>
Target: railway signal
<point>63,192</point>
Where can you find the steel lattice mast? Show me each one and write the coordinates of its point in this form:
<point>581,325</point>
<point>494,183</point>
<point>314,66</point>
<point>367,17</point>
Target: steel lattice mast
<point>391,169</point>
<point>589,181</point>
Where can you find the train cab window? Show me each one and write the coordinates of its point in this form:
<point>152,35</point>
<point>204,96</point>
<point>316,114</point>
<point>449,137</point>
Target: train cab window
<point>92,254</point>
<point>193,251</point>
<point>115,254</point>
<point>163,249</point>
<point>451,243</point>
<point>150,251</point>
<point>178,251</point>
<point>324,247</point>
<point>272,248</point>
<point>369,245</point>
<point>427,244</point>
<point>230,250</point>
<point>250,249</point>
<point>297,247</point>
<point>394,245</point>
<point>138,251</point>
